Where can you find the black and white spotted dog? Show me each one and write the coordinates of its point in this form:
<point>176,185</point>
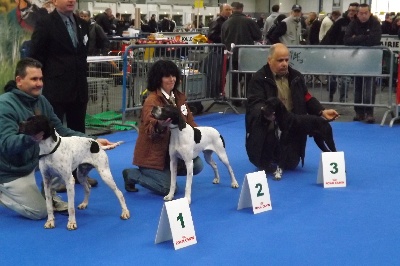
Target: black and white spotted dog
<point>59,156</point>
<point>186,143</point>
<point>291,124</point>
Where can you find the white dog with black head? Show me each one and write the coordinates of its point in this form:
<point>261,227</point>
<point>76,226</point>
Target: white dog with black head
<point>186,143</point>
<point>59,156</point>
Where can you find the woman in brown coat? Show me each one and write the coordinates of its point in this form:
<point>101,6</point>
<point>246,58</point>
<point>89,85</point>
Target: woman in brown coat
<point>151,150</point>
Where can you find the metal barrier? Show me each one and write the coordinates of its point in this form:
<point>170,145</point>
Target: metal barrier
<point>393,43</point>
<point>105,94</point>
<point>200,64</point>
<point>345,65</point>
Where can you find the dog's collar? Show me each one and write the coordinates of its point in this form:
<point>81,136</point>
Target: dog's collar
<point>174,126</point>
<point>53,151</point>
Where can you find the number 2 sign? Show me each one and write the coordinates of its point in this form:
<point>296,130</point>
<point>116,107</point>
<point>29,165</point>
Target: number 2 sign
<point>255,193</point>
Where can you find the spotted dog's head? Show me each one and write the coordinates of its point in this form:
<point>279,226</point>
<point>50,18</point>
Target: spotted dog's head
<point>35,124</point>
<point>273,107</point>
<point>169,111</point>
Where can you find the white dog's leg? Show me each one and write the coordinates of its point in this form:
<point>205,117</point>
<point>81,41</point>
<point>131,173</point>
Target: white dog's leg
<point>189,180</point>
<point>106,175</point>
<point>70,184</point>
<point>208,158</point>
<point>50,223</point>
<point>81,174</point>
<point>224,159</point>
<point>173,165</point>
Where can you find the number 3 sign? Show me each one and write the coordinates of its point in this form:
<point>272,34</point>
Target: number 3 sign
<point>332,170</point>
<point>255,193</point>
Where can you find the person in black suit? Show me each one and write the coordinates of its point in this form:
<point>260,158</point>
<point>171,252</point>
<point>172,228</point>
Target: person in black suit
<point>63,53</point>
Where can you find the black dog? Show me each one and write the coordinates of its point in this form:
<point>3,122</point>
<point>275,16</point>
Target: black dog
<point>293,124</point>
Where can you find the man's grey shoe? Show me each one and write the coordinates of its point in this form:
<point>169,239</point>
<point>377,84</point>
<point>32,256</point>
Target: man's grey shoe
<point>58,204</point>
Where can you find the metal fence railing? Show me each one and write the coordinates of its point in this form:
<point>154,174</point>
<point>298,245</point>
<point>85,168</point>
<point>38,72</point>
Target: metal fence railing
<point>327,69</point>
<point>200,65</point>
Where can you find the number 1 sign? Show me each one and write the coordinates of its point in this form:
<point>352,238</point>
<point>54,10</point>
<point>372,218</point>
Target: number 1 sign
<point>255,193</point>
<point>332,170</point>
<point>176,223</point>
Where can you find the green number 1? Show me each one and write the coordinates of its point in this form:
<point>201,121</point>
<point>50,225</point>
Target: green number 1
<point>335,168</point>
<point>180,218</point>
<point>259,193</point>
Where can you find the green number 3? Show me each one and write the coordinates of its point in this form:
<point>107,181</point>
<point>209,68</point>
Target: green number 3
<point>180,218</point>
<point>259,193</point>
<point>335,168</point>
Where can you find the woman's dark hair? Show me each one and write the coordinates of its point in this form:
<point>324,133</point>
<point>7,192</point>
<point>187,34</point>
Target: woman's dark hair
<point>160,69</point>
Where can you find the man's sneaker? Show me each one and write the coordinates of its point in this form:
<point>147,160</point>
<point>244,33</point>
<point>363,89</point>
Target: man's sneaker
<point>58,204</point>
<point>278,174</point>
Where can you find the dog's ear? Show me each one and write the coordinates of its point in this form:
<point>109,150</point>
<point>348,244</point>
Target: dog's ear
<point>181,122</point>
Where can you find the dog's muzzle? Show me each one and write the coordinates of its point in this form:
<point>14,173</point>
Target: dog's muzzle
<point>156,112</point>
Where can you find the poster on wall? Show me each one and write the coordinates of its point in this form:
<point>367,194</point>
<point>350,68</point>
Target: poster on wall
<point>17,21</point>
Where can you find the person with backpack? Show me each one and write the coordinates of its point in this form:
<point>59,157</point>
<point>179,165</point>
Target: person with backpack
<point>277,20</point>
<point>289,30</point>
<point>99,44</point>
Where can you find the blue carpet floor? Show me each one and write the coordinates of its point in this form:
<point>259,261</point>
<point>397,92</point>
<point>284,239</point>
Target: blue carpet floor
<point>308,225</point>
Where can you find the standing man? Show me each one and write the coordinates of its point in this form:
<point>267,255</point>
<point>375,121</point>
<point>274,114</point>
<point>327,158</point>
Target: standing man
<point>327,23</point>
<point>239,30</point>
<point>270,20</point>
<point>153,24</point>
<point>387,24</point>
<point>214,33</point>
<point>335,37</point>
<point>59,42</point>
<point>289,30</point>
<point>104,20</point>
<point>365,30</point>
<point>313,28</point>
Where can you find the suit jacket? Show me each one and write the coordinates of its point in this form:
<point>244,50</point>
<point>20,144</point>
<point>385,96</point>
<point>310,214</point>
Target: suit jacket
<point>64,66</point>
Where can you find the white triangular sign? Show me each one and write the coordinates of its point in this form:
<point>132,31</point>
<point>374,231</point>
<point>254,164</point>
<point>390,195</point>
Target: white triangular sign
<point>332,170</point>
<point>255,193</point>
<point>176,223</point>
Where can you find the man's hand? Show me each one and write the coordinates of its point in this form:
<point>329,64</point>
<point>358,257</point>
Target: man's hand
<point>38,137</point>
<point>330,114</point>
<point>107,145</point>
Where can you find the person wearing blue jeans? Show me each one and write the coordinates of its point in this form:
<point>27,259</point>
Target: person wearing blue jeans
<point>151,153</point>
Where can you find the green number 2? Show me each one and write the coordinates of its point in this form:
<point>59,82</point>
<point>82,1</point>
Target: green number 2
<point>180,218</point>
<point>259,193</point>
<point>335,168</point>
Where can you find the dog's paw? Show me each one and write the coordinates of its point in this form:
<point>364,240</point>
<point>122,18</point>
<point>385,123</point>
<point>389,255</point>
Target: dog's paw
<point>235,185</point>
<point>72,226</point>
<point>168,197</point>
<point>125,215</point>
<point>278,174</point>
<point>50,224</point>
<point>216,181</point>
<point>82,206</point>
